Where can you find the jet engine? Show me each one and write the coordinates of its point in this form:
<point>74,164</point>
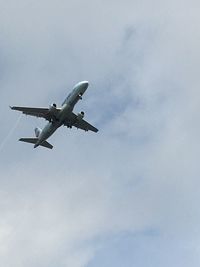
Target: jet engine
<point>52,109</point>
<point>80,115</point>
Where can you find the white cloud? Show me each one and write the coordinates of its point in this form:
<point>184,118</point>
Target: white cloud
<point>141,170</point>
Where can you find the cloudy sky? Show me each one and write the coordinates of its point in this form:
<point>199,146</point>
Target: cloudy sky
<point>129,195</point>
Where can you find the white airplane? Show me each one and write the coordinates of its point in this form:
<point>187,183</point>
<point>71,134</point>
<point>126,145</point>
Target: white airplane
<point>58,117</point>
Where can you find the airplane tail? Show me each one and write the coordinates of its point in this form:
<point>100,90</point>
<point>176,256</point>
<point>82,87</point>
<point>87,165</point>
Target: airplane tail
<point>34,141</point>
<point>37,131</point>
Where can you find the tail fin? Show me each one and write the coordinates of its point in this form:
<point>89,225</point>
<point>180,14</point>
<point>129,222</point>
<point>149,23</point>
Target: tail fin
<point>34,141</point>
<point>37,131</point>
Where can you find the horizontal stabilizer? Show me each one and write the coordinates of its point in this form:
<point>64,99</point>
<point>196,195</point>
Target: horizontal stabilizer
<point>47,145</point>
<point>34,141</point>
<point>29,140</point>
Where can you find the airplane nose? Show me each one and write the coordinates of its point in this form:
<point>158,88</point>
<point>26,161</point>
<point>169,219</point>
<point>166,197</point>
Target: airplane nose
<point>85,84</point>
<point>81,87</point>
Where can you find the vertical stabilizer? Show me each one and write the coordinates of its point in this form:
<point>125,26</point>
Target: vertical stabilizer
<point>37,131</point>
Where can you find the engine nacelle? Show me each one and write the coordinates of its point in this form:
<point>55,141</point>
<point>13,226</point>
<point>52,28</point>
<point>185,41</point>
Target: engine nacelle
<point>80,115</point>
<point>52,109</point>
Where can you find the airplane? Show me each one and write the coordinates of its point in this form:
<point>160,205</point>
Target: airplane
<point>57,117</point>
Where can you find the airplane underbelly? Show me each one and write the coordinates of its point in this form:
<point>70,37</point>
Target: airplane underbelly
<point>65,112</point>
<point>49,129</point>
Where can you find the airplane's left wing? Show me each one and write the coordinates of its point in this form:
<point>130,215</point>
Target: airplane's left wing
<point>84,125</point>
<point>36,112</point>
<point>80,123</point>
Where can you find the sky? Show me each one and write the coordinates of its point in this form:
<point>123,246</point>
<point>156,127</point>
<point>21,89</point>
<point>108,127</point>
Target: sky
<point>128,195</point>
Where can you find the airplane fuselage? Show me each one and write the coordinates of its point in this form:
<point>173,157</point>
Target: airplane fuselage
<point>65,111</point>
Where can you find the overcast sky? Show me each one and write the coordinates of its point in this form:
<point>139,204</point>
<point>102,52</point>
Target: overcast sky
<point>128,195</point>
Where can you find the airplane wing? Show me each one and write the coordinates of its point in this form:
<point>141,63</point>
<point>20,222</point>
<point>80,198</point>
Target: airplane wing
<point>84,125</point>
<point>81,124</point>
<point>37,112</point>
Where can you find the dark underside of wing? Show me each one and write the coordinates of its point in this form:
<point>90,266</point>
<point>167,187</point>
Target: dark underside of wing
<point>36,112</point>
<point>84,125</point>
<point>80,123</point>
<point>44,113</point>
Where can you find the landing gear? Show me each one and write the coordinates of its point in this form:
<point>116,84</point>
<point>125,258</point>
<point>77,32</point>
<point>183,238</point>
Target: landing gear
<point>53,119</point>
<point>80,96</point>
